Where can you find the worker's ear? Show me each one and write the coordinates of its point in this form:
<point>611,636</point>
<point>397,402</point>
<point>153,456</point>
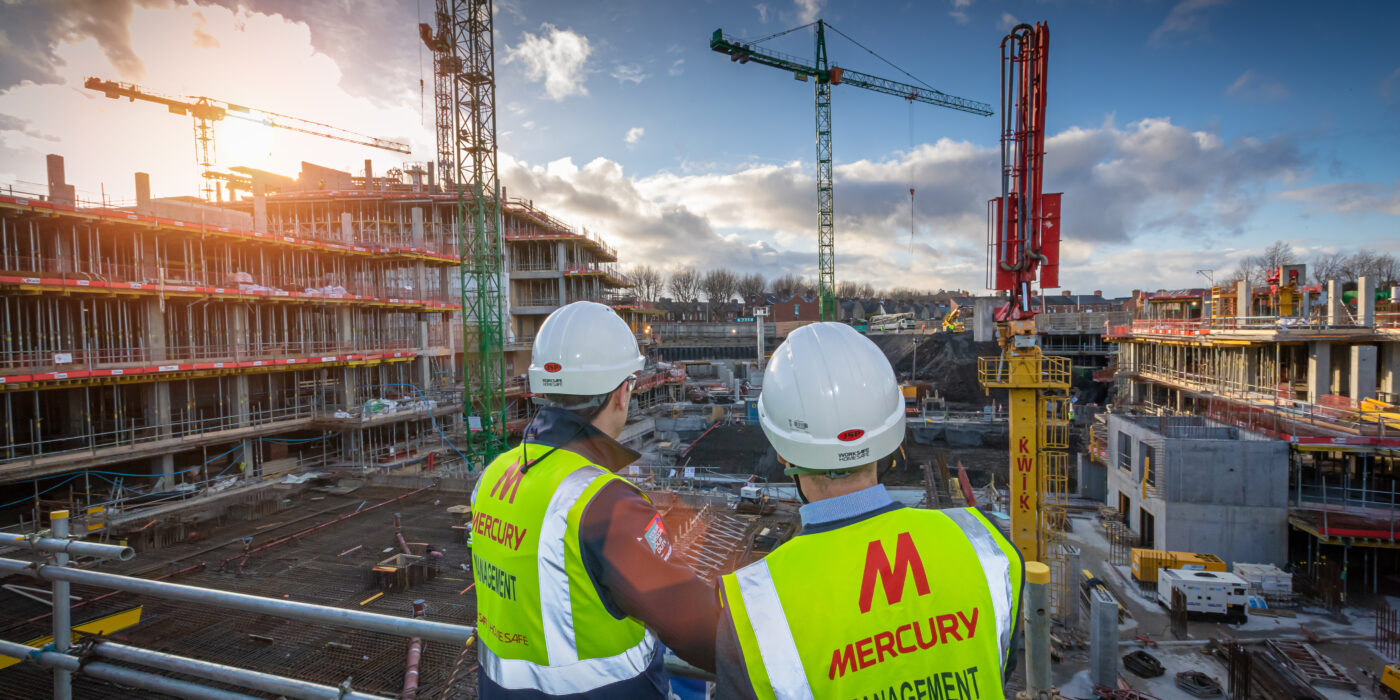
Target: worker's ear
<point>620,397</point>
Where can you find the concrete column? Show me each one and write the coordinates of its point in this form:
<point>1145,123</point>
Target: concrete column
<point>1366,302</point>
<point>143,192</point>
<point>1390,376</point>
<point>154,328</point>
<point>259,205</point>
<point>1334,303</point>
<point>164,466</point>
<point>347,227</point>
<point>560,264</point>
<point>1070,607</point>
<point>983,319</point>
<point>1103,639</point>
<point>1249,368</point>
<point>420,272</point>
<point>67,258</point>
<point>422,365</point>
<point>249,457</point>
<point>369,174</point>
<point>1362,384</point>
<point>60,192</point>
<point>1319,370</point>
<point>1244,299</point>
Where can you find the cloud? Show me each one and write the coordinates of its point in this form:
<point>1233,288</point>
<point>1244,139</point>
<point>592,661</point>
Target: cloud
<point>554,57</point>
<point>807,10</point>
<point>677,68</point>
<point>1185,21</point>
<point>1007,21</point>
<point>959,11</point>
<point>1390,88</point>
<point>762,12</point>
<point>1252,85</point>
<point>1147,180</point>
<point>105,140</point>
<point>203,39</point>
<point>634,135</point>
<point>629,73</point>
<point>1350,198</point>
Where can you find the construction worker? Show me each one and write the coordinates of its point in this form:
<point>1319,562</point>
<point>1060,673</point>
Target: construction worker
<point>576,591</point>
<point>871,599</point>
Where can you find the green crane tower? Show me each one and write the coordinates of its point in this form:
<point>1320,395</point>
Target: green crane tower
<point>464,71</point>
<point>744,52</point>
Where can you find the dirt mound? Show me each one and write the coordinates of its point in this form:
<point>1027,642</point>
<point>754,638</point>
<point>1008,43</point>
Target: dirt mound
<point>737,449</point>
<point>947,360</point>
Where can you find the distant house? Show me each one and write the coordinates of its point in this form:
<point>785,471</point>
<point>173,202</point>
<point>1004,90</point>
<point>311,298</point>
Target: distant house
<point>682,311</point>
<point>795,308</point>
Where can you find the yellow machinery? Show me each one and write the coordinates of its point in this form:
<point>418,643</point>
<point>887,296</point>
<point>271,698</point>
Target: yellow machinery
<point>951,324</point>
<point>1390,681</point>
<point>1146,563</point>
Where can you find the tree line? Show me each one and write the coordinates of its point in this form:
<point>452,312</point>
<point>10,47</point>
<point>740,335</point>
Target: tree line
<point>1341,265</point>
<point>721,285</point>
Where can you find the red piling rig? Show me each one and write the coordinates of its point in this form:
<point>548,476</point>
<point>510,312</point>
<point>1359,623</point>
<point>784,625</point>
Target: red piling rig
<point>1023,225</point>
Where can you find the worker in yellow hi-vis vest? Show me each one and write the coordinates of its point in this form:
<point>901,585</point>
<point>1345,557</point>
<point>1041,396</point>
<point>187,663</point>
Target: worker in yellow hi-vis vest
<point>871,599</point>
<point>576,590</point>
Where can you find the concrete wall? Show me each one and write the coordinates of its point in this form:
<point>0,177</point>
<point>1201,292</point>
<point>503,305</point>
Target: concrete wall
<point>1227,497</point>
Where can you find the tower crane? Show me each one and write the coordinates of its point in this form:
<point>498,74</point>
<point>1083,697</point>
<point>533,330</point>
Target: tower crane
<point>1023,238</point>
<point>825,76</point>
<point>207,110</point>
<point>464,82</point>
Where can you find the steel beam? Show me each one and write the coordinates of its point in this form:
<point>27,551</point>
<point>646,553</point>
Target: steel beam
<point>255,680</point>
<point>119,674</point>
<point>319,614</point>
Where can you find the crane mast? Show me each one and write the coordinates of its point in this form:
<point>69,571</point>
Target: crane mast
<point>1023,249</point>
<point>825,76</point>
<point>464,80</point>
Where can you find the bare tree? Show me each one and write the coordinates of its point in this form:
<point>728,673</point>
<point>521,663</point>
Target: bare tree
<point>846,289</point>
<point>684,284</point>
<point>1327,266</point>
<point>1382,268</point>
<point>867,291</point>
<point>750,286</point>
<point>718,285</point>
<point>787,285</point>
<point>1257,268</point>
<point>646,281</point>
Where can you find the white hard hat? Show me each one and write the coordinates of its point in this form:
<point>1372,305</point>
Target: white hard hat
<point>583,349</point>
<point>830,401</point>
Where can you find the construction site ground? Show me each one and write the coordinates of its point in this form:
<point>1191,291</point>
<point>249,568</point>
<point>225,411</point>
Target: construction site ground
<point>331,566</point>
<point>1345,638</point>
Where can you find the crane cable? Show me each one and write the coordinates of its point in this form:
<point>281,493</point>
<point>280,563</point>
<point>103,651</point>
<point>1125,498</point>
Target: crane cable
<point>886,60</point>
<point>911,184</point>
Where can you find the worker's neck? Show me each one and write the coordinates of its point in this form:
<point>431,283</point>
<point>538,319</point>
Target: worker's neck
<point>820,488</point>
<point>610,421</point>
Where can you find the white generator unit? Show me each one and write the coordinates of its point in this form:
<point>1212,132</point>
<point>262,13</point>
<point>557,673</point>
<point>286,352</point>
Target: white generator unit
<point>1213,595</point>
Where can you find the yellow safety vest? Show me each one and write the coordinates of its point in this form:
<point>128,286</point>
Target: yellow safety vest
<point>905,604</point>
<point>540,620</point>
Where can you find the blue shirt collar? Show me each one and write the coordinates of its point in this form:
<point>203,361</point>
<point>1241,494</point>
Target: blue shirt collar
<point>851,505</point>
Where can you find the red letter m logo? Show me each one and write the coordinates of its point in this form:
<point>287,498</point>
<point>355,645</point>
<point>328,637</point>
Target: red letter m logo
<point>508,484</point>
<point>877,566</point>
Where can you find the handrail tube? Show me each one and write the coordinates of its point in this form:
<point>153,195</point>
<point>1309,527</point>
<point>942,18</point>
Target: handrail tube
<point>256,680</point>
<point>118,674</point>
<point>306,612</point>
<point>75,548</point>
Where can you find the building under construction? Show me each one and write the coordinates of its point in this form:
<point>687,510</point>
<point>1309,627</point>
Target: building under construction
<point>1266,427</point>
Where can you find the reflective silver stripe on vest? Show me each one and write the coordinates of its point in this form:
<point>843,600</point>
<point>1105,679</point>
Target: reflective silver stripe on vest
<point>565,673</point>
<point>997,568</point>
<point>770,627</point>
<point>578,677</point>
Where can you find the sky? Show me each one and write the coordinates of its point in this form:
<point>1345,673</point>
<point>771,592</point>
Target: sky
<point>1185,134</point>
